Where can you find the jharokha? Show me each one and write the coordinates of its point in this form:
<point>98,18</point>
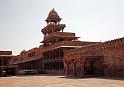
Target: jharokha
<point>62,53</point>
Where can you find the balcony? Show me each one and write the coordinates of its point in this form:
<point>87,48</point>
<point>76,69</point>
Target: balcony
<point>55,27</point>
<point>65,44</point>
<point>59,34</point>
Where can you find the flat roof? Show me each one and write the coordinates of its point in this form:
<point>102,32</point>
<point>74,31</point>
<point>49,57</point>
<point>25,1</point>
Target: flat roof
<point>6,55</point>
<point>28,60</point>
<point>67,47</point>
<point>71,46</point>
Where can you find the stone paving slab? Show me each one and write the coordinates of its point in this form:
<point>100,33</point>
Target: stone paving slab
<point>58,81</point>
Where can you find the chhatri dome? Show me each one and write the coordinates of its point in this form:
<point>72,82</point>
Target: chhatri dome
<point>53,17</point>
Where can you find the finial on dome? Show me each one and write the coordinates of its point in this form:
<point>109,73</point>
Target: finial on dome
<point>53,17</point>
<point>53,9</point>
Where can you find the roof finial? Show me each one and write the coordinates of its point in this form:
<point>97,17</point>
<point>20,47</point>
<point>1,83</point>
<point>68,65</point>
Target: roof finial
<point>53,17</point>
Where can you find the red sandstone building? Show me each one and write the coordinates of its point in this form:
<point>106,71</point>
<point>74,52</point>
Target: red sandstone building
<point>62,52</point>
<point>6,69</point>
<point>49,57</point>
<point>30,60</point>
<point>102,59</point>
<point>56,42</point>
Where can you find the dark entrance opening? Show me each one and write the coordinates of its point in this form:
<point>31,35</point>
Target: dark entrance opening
<point>77,69</point>
<point>94,66</point>
<point>70,69</point>
<point>10,71</point>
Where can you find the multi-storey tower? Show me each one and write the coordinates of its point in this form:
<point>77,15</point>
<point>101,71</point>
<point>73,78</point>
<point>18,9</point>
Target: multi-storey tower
<point>56,42</point>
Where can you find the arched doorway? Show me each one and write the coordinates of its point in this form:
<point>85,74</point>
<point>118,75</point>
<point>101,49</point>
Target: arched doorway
<point>70,69</point>
<point>94,65</point>
<point>77,69</point>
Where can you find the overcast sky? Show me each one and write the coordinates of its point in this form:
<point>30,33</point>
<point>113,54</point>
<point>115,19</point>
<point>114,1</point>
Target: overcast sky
<point>93,20</point>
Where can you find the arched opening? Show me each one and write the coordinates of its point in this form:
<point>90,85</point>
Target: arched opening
<point>94,65</point>
<point>77,69</point>
<point>70,69</point>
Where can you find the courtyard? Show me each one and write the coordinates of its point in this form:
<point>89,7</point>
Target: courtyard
<point>58,81</point>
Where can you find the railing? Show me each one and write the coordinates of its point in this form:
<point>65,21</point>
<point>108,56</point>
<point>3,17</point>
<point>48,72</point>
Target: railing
<point>59,34</point>
<point>65,43</point>
<point>57,26</point>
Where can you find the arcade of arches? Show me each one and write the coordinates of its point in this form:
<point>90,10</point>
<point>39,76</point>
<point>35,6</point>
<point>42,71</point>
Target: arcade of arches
<point>93,66</point>
<point>103,59</point>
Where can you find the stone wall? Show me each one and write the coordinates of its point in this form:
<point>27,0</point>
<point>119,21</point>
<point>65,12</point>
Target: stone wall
<point>112,52</point>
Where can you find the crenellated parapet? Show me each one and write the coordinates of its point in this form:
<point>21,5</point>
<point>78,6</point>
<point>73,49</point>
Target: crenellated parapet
<point>101,47</point>
<point>114,42</point>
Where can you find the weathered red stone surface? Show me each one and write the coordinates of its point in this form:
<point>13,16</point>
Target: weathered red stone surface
<point>104,59</point>
<point>5,64</point>
<point>5,52</point>
<point>29,60</point>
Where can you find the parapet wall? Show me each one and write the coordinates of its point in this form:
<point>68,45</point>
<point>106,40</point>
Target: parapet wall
<point>5,52</point>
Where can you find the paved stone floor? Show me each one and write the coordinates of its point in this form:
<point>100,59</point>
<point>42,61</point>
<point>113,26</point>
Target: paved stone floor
<point>58,81</point>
